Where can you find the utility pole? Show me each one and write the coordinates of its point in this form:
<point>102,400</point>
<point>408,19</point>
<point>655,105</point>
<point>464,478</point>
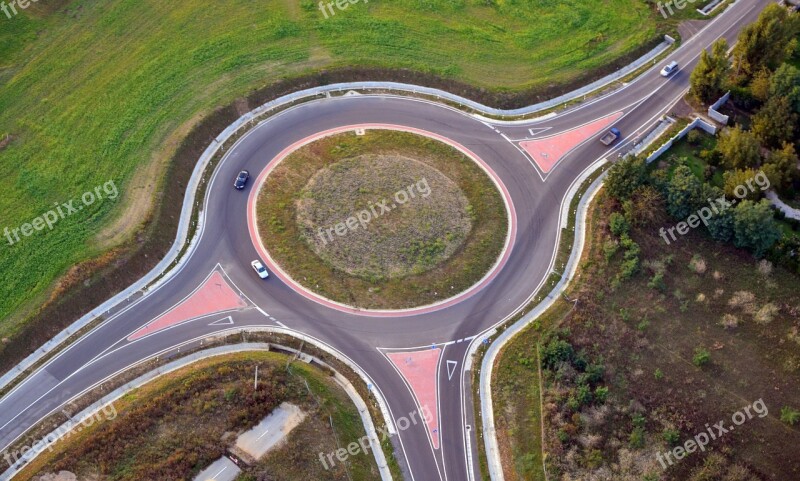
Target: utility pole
<point>255,383</point>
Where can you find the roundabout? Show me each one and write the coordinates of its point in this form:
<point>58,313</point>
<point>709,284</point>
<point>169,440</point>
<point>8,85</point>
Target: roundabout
<point>378,220</point>
<point>412,359</point>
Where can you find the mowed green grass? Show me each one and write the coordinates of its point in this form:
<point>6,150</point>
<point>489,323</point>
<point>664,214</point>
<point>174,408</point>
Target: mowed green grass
<point>93,90</point>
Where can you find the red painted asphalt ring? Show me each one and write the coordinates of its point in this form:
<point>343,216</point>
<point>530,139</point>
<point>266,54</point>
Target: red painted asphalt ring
<point>273,266</point>
<point>547,151</point>
<point>214,295</point>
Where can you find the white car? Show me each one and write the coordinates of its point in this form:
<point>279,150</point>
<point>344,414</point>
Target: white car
<point>260,269</point>
<point>669,69</point>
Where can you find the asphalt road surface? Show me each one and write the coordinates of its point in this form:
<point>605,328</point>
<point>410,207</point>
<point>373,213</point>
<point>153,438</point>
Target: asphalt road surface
<point>225,247</point>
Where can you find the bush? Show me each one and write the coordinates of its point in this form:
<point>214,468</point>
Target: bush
<point>657,282</point>
<point>671,436</point>
<point>557,351</point>
<point>610,247</point>
<point>624,177</point>
<point>601,394</point>
<point>618,224</point>
<point>701,357</point>
<point>694,137</point>
<point>790,416</point>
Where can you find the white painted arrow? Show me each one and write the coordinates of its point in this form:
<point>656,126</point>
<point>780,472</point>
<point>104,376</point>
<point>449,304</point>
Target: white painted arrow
<point>225,321</point>
<point>538,130</point>
<point>451,368</point>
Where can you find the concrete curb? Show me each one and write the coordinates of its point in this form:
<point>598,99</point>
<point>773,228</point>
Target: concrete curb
<point>75,420</point>
<point>487,365</point>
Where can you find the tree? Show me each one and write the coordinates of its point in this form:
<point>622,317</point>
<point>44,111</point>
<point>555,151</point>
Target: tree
<point>785,82</point>
<point>683,193</point>
<point>739,149</point>
<point>775,123</point>
<point>754,227</point>
<point>709,76</point>
<point>735,178</point>
<point>760,85</point>
<point>624,177</point>
<point>645,207</point>
<point>767,42</point>
<point>781,166</point>
<point>720,225</point>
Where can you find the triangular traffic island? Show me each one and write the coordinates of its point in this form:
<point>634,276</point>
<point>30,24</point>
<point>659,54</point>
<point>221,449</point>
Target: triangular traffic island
<point>547,151</point>
<point>213,296</point>
<point>420,370</point>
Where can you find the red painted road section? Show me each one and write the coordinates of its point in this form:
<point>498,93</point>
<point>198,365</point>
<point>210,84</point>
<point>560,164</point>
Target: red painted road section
<point>283,276</point>
<point>547,151</point>
<point>420,369</point>
<point>215,295</point>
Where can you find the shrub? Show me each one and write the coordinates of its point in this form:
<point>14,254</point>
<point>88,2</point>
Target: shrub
<point>601,394</point>
<point>697,264</point>
<point>743,300</point>
<point>671,436</point>
<point>766,314</point>
<point>790,416</point>
<point>557,351</point>
<point>618,224</point>
<point>657,282</point>
<point>694,137</point>
<point>701,357</point>
<point>610,247</point>
<point>729,321</point>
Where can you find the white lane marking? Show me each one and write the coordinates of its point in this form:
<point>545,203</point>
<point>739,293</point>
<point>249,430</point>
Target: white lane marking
<point>451,368</point>
<point>220,472</point>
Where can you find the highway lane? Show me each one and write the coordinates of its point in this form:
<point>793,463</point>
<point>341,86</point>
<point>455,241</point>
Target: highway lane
<point>225,245</point>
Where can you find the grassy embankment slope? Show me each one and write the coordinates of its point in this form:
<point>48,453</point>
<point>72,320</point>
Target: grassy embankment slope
<point>94,91</point>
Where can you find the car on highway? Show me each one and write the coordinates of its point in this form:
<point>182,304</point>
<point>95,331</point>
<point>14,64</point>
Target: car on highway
<point>260,269</point>
<point>241,180</point>
<point>669,69</point>
<point>609,137</point>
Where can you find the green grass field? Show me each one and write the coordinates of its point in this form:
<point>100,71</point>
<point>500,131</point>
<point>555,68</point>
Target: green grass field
<point>92,91</point>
